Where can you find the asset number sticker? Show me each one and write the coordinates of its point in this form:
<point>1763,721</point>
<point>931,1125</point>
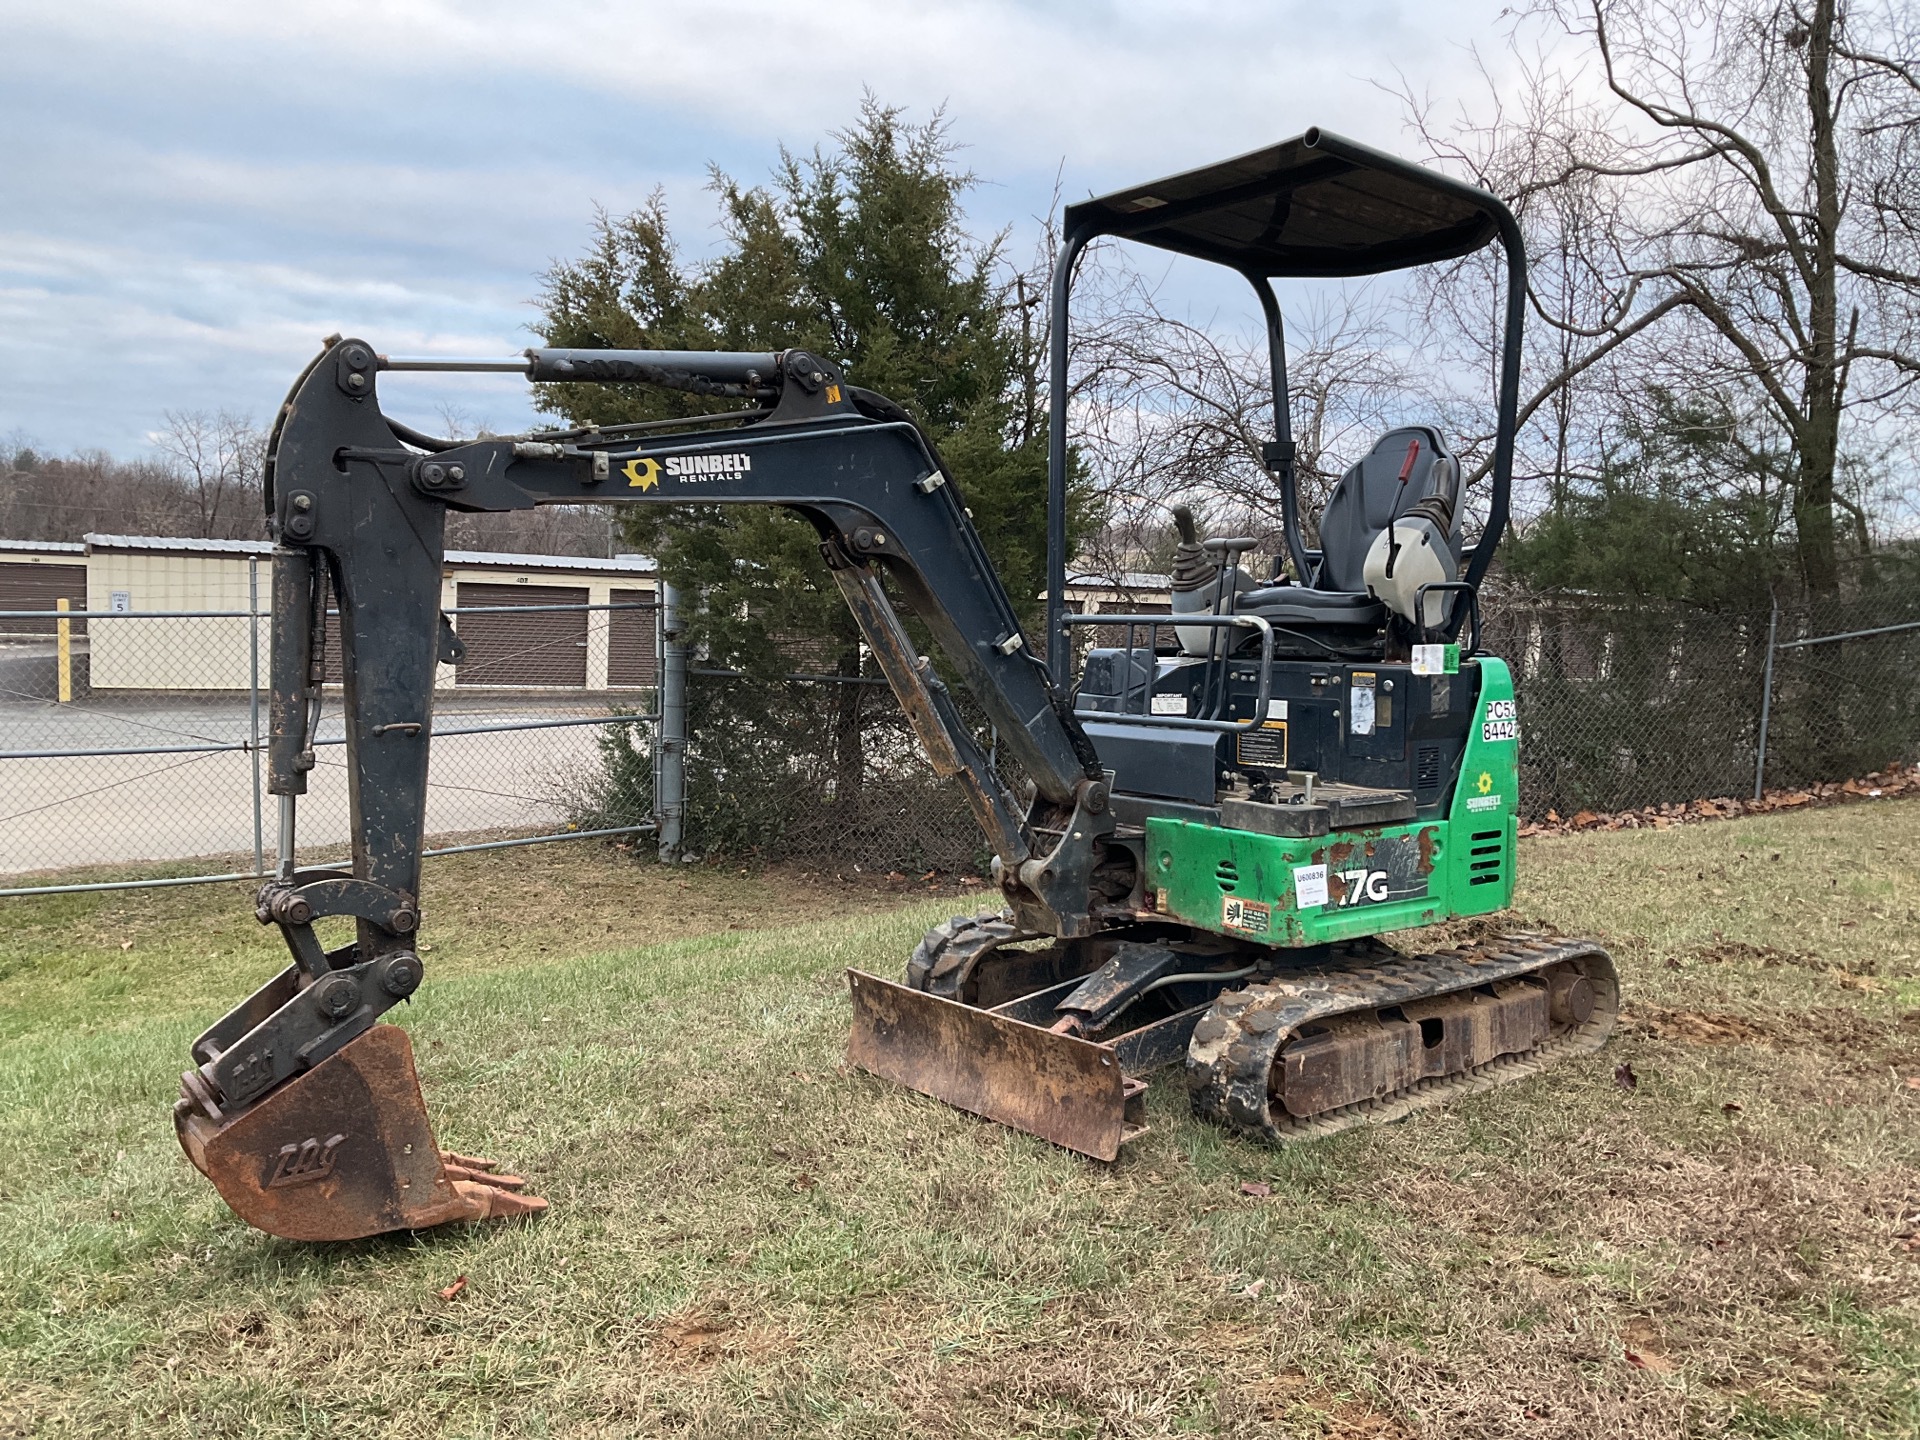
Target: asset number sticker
<point>1502,722</point>
<point>1251,916</point>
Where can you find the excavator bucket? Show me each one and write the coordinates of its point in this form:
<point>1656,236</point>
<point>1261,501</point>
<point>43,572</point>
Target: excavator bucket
<point>1063,1089</point>
<point>342,1151</point>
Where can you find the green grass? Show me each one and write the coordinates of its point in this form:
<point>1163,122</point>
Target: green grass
<point>746,1239</point>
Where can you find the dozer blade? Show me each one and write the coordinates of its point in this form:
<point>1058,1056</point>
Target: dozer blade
<point>341,1152</point>
<point>1062,1089</point>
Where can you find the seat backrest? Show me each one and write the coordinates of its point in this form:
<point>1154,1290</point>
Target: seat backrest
<point>1373,494</point>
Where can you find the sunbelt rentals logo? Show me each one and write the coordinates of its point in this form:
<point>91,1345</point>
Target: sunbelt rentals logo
<point>692,469</point>
<point>1486,799</point>
<point>641,474</point>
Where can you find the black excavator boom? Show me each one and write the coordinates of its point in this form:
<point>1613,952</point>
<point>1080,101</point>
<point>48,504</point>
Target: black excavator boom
<point>302,1107</point>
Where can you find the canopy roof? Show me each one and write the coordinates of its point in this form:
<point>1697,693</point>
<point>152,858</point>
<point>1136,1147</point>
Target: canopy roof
<point>1316,205</point>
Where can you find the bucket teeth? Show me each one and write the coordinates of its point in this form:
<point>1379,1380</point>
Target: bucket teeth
<point>343,1151</point>
<point>497,1196</point>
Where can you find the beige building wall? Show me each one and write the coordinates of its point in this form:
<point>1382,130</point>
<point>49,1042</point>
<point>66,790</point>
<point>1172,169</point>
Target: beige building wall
<point>204,653</point>
<point>211,653</point>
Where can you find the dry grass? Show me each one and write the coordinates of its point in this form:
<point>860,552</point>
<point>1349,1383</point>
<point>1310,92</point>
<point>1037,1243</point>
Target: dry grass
<point>748,1240</point>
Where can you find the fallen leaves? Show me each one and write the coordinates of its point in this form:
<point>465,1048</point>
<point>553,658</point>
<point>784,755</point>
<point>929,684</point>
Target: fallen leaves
<point>1256,1189</point>
<point>1880,784</point>
<point>452,1291</point>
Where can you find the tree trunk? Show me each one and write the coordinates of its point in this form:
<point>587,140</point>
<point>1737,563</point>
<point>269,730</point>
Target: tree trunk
<point>1819,436</point>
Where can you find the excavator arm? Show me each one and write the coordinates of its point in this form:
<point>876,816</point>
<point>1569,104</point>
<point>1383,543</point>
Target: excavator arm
<point>302,1108</point>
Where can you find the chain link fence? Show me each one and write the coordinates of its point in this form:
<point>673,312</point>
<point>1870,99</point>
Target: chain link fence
<point>1626,704</point>
<point>130,742</point>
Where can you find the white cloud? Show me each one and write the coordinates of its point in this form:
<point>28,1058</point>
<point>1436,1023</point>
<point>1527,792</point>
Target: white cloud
<point>197,193</point>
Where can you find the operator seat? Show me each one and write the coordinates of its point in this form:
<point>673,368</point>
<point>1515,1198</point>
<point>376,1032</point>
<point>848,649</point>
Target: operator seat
<point>1407,465</point>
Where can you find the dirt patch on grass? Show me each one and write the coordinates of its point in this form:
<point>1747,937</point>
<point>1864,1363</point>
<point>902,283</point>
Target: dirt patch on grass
<point>1739,952</point>
<point>699,1339</point>
<point>1292,1400</point>
<point>1851,1041</point>
<point>1693,1027</point>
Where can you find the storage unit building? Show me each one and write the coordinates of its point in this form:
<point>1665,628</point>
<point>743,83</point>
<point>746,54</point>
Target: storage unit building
<point>523,648</point>
<point>34,575</point>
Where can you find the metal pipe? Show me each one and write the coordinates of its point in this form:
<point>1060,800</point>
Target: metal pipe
<point>500,365</point>
<point>284,850</point>
<point>571,720</point>
<point>255,745</point>
<point>26,890</point>
<point>30,890</point>
<point>210,749</point>
<point>1262,696</point>
<point>538,840</point>
<point>1282,425</point>
<point>1766,704</point>
<point>123,614</point>
<point>1847,635</point>
<point>797,676</point>
<point>1059,661</point>
<point>253,709</point>
<point>536,609</point>
<point>670,743</point>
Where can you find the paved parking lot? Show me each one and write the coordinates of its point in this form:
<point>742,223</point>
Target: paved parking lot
<point>115,809</point>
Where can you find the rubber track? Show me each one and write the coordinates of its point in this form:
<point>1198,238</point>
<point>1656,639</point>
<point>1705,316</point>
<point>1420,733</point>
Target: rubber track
<point>947,954</point>
<point>1230,1061</point>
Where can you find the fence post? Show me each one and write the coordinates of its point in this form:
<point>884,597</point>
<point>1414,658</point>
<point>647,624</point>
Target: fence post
<point>64,628</point>
<point>670,740</point>
<point>1766,704</point>
<point>253,708</point>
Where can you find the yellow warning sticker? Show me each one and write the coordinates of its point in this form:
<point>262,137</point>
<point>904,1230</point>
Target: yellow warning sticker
<point>1248,916</point>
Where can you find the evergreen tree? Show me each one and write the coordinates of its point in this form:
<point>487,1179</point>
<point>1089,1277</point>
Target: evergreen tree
<point>857,251</point>
<point>1686,506</point>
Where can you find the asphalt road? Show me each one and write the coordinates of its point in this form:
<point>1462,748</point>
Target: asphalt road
<point>57,812</point>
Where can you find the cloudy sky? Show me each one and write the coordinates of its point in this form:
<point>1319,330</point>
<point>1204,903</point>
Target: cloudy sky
<point>193,195</point>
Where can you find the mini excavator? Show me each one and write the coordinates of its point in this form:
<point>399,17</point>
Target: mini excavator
<point>1217,832</point>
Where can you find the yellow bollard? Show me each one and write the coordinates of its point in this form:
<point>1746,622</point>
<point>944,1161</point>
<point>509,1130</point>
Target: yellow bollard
<point>65,627</point>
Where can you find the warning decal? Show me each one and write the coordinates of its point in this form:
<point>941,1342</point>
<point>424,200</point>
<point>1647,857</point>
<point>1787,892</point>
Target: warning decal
<point>1265,748</point>
<point>1252,917</point>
